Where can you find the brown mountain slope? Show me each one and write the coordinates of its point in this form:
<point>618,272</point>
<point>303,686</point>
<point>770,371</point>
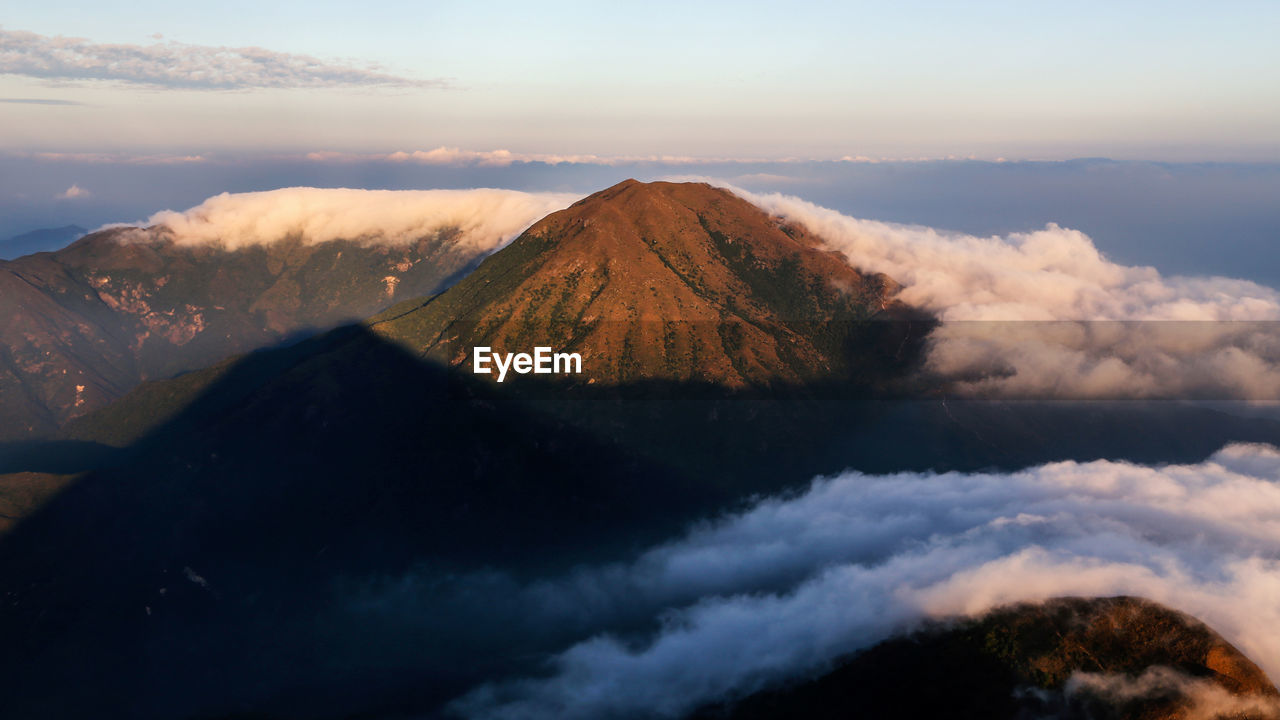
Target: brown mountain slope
<point>1072,658</point>
<point>81,326</point>
<point>673,281</point>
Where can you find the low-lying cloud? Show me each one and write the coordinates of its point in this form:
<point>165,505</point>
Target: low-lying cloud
<point>786,587</point>
<point>486,219</point>
<point>1046,314</point>
<point>1202,699</point>
<point>179,65</point>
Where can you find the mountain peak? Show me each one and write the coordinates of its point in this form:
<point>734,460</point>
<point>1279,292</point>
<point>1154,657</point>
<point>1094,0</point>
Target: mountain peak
<point>656,280</point>
<point>700,245</point>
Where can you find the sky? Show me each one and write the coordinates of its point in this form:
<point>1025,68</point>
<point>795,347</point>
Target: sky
<point>1152,126</point>
<point>1164,81</point>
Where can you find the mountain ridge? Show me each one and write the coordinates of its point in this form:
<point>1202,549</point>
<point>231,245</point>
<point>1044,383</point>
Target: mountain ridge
<point>82,326</point>
<point>612,277</point>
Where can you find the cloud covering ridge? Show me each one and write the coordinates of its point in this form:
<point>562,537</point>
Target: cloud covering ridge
<point>1046,314</point>
<point>486,218</point>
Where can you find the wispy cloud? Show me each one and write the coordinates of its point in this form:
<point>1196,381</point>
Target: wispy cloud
<point>183,66</point>
<point>113,158</point>
<point>454,156</point>
<point>73,192</point>
<point>451,156</point>
<point>774,179</point>
<point>38,101</point>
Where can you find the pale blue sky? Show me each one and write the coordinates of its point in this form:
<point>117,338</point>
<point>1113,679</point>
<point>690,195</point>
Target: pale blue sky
<point>1153,80</point>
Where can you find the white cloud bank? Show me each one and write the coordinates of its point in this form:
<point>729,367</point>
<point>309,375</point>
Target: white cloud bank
<point>486,218</point>
<point>862,558</point>
<point>1046,314</point>
<point>178,65</point>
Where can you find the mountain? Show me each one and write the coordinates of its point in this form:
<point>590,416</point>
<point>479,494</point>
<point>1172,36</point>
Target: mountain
<point>333,527</point>
<point>290,478</point>
<point>669,291</point>
<point>42,240</point>
<point>664,281</point>
<point>1071,658</point>
<point>81,326</point>
<point>721,341</point>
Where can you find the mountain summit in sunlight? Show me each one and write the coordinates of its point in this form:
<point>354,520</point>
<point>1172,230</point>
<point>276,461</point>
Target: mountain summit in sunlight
<point>670,281</point>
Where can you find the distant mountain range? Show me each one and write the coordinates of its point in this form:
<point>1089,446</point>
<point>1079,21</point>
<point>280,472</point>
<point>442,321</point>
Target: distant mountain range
<point>201,535</point>
<point>42,240</point>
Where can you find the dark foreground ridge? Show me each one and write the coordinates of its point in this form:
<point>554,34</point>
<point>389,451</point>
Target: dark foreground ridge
<point>221,566</point>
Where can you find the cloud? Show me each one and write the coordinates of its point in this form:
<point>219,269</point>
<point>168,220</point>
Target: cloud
<point>764,178</point>
<point>503,158</point>
<point>486,218</point>
<point>459,157</point>
<point>108,158</point>
<point>39,101</point>
<point>450,156</point>
<point>784,588</point>
<point>178,65</point>
<point>73,192</point>
<point>1046,314</point>
<point>455,156</point>
<point>446,155</point>
<point>1204,699</point>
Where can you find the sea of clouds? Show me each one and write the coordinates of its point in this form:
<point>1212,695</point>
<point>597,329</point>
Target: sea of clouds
<point>1045,314</point>
<point>791,584</point>
<point>487,218</point>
